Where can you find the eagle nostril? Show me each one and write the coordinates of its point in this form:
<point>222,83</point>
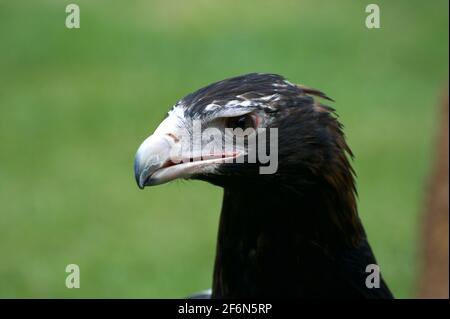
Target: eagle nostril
<point>174,137</point>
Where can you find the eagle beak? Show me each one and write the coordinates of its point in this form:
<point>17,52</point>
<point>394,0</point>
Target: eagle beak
<point>163,156</point>
<point>152,155</point>
<point>159,160</point>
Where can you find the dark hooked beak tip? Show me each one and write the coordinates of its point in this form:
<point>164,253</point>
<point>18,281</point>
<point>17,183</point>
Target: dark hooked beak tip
<point>141,186</point>
<point>137,175</point>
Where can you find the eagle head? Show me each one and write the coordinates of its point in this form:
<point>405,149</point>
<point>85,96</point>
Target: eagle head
<point>254,128</point>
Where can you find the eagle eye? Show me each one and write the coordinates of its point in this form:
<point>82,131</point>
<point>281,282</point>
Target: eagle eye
<point>243,122</point>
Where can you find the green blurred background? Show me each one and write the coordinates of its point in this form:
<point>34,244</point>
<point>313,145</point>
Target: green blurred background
<point>75,105</point>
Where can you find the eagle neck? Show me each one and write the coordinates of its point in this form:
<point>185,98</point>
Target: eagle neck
<point>264,234</point>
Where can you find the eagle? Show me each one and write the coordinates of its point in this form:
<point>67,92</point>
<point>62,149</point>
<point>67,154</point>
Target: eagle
<point>291,230</point>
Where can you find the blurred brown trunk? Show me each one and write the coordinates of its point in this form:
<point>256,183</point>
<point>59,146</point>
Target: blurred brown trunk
<point>434,282</point>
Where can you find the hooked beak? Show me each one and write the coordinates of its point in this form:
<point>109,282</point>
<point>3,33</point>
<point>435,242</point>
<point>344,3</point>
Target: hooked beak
<point>156,161</point>
<point>152,155</point>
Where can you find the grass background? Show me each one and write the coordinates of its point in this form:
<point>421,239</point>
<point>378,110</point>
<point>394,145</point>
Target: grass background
<point>75,105</point>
